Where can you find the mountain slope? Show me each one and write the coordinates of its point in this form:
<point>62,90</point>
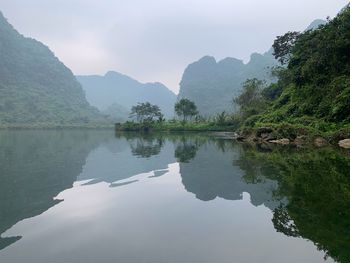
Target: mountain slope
<point>117,89</point>
<point>212,85</point>
<point>35,87</point>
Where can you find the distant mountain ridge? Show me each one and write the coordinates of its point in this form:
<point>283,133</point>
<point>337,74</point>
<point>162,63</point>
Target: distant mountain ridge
<point>316,24</point>
<point>36,88</point>
<point>212,84</point>
<point>115,90</point>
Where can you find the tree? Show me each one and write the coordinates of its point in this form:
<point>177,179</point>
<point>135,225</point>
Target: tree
<point>145,112</point>
<point>251,100</point>
<point>283,46</point>
<point>185,108</point>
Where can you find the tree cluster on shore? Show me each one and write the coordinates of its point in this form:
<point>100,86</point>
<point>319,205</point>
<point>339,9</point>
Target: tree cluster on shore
<point>311,95</point>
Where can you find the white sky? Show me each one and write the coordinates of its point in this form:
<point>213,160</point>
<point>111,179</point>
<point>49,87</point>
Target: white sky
<point>155,40</point>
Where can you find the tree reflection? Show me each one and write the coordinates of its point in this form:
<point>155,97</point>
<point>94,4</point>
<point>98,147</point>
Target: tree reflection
<point>284,223</point>
<point>317,186</point>
<point>146,147</point>
<point>186,149</point>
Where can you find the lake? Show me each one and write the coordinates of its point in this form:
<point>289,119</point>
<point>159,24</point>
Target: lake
<point>95,196</point>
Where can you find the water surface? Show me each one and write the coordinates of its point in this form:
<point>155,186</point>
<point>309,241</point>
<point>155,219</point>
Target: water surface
<point>93,196</point>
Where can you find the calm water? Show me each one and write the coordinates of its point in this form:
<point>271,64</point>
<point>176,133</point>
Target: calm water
<point>92,196</point>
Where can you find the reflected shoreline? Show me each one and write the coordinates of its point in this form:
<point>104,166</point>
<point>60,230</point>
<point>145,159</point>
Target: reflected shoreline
<point>307,190</point>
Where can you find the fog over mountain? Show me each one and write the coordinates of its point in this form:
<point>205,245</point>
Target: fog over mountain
<point>155,40</point>
<point>114,94</point>
<point>212,84</point>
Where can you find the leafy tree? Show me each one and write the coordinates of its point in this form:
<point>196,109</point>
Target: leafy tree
<point>251,100</point>
<point>221,118</point>
<point>185,108</point>
<point>283,46</point>
<point>146,112</point>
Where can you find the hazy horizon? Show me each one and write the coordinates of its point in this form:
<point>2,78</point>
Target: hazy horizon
<point>155,41</point>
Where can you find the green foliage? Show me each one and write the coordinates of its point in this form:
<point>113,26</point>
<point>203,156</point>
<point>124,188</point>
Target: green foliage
<point>146,112</point>
<point>283,46</point>
<point>185,109</point>
<point>272,92</point>
<point>251,101</point>
<point>175,125</point>
<point>314,89</point>
<point>321,70</point>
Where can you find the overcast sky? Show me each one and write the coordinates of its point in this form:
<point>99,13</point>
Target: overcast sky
<point>155,40</point>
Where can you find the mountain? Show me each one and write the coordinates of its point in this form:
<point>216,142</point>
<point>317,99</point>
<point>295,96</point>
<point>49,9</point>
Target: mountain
<point>36,88</point>
<point>316,24</point>
<point>212,85</point>
<point>117,90</point>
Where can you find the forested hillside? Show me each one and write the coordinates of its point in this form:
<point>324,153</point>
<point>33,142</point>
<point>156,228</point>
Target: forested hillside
<point>314,89</point>
<point>36,88</point>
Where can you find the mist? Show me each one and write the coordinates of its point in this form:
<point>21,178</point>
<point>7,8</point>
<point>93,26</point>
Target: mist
<point>155,40</point>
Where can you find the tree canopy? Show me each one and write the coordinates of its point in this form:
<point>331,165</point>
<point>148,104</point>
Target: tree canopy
<point>251,100</point>
<point>145,112</point>
<point>314,86</point>
<point>283,46</point>
<point>185,109</point>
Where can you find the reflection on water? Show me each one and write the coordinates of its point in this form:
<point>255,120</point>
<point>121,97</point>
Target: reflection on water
<point>317,187</point>
<point>35,166</point>
<point>71,181</point>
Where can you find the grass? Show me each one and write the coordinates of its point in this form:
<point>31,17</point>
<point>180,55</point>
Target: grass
<point>174,126</point>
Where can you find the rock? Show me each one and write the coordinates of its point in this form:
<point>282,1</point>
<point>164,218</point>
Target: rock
<point>344,143</point>
<point>300,140</point>
<point>281,141</point>
<point>263,131</point>
<point>320,142</point>
<point>270,137</point>
<point>226,135</point>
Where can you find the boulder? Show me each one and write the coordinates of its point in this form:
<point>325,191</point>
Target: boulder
<point>300,140</point>
<point>344,143</point>
<point>320,142</point>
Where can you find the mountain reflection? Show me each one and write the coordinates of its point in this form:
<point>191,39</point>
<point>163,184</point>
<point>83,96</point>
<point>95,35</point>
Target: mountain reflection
<point>308,191</point>
<point>35,166</point>
<point>128,155</point>
<point>212,174</point>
